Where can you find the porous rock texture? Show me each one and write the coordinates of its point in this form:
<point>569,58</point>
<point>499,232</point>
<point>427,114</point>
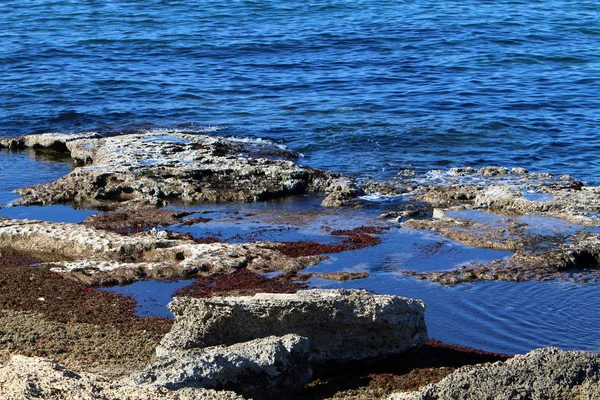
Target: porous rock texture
<point>341,325</point>
<point>262,368</point>
<point>40,378</point>
<point>97,257</point>
<point>157,167</point>
<point>547,373</point>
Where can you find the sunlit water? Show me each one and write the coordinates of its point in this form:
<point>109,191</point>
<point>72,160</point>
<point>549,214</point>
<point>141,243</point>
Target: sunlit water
<point>364,87</point>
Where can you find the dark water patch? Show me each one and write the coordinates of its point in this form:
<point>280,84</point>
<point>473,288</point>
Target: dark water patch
<point>55,213</point>
<point>151,296</point>
<point>25,168</point>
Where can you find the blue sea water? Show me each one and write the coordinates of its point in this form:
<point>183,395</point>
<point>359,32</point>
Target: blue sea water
<point>364,87</point>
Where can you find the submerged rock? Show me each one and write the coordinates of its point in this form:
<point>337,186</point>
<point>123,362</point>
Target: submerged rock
<point>341,325</point>
<point>155,168</point>
<point>541,374</point>
<point>39,378</point>
<point>263,368</point>
<point>544,248</point>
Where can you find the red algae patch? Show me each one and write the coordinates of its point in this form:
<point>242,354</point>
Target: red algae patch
<point>242,283</point>
<point>407,372</point>
<point>139,220</point>
<point>361,230</point>
<point>308,248</point>
<point>47,315</point>
<point>355,239</point>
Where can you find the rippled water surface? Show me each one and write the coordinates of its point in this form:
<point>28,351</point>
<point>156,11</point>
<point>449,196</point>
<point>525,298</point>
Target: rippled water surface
<point>362,87</point>
<point>391,85</point>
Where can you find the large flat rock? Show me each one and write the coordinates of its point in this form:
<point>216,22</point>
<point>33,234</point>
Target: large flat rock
<point>341,325</point>
<point>157,167</point>
<point>97,257</point>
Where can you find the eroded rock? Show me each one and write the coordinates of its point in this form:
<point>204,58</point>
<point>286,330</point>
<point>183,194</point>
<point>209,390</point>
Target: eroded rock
<point>39,378</point>
<point>342,193</point>
<point>155,168</point>
<point>263,368</point>
<point>341,325</point>
<point>541,374</point>
<point>98,257</point>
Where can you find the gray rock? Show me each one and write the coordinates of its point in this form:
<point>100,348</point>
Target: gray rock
<point>541,374</point>
<point>99,257</point>
<point>156,167</point>
<point>40,378</point>
<point>342,193</point>
<point>341,325</point>
<point>262,368</point>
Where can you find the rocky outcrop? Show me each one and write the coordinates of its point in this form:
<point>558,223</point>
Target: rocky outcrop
<point>541,374</point>
<point>342,193</point>
<point>262,368</point>
<point>97,257</point>
<point>155,168</point>
<point>39,378</point>
<point>341,325</point>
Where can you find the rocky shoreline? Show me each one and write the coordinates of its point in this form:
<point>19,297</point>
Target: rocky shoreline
<point>239,334</point>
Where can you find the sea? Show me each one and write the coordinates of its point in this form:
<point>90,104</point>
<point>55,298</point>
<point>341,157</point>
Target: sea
<point>367,88</point>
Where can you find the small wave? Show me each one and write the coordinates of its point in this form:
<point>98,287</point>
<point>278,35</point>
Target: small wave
<point>379,197</point>
<point>257,142</point>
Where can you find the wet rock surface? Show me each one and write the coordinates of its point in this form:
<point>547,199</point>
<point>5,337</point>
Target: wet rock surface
<point>39,378</point>
<point>549,223</point>
<point>263,368</point>
<point>341,325</point>
<point>541,374</point>
<point>155,169</point>
<point>544,248</point>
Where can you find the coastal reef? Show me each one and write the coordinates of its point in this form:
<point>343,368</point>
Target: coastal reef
<point>247,324</point>
<point>549,223</point>
<point>98,257</point>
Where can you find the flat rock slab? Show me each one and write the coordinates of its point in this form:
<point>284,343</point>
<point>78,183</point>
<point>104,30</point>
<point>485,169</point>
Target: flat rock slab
<point>341,325</point>
<point>264,368</point>
<point>541,374</point>
<point>97,257</point>
<point>39,378</point>
<point>157,167</point>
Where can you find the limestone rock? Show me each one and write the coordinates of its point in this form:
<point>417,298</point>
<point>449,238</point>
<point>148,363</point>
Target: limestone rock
<point>262,368</point>
<point>541,374</point>
<point>39,378</point>
<point>342,193</point>
<point>96,257</point>
<point>156,167</point>
<point>341,325</point>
